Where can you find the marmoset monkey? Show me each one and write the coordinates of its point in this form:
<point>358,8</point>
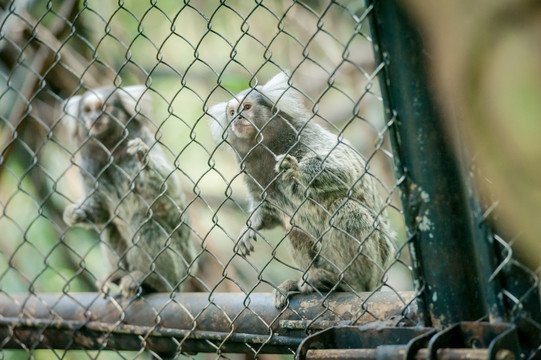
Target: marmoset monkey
<point>132,195</point>
<point>304,178</point>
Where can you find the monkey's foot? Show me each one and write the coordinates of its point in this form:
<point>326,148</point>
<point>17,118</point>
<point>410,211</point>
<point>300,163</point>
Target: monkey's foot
<point>320,279</point>
<point>74,215</point>
<point>104,286</point>
<point>283,292</point>
<point>138,148</point>
<point>130,285</point>
<point>317,278</point>
<point>244,245</point>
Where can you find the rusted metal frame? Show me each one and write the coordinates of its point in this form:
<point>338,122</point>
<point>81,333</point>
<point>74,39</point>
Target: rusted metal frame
<point>436,204</point>
<point>501,340</point>
<point>367,337</point>
<point>422,354</point>
<point>465,340</point>
<point>158,321</point>
<point>455,257</point>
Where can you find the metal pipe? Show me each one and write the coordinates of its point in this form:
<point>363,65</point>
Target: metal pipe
<point>188,322</point>
<point>436,206</point>
<point>372,354</point>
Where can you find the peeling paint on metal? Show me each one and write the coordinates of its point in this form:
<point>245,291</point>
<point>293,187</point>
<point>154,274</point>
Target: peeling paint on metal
<point>425,224</point>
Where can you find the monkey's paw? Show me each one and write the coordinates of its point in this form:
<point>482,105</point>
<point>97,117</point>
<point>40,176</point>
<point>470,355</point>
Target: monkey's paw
<point>73,214</point>
<point>130,285</point>
<point>244,245</point>
<point>138,148</point>
<point>283,292</point>
<point>287,164</point>
<point>104,286</point>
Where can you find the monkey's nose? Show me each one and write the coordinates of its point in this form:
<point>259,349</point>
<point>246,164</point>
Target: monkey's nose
<point>95,121</point>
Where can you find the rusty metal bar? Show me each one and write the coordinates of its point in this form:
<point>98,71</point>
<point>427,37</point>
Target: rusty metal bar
<point>436,206</point>
<point>190,322</point>
<point>422,354</point>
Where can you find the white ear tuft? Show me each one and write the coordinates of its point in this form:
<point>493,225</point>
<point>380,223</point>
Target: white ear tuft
<point>71,106</point>
<point>71,109</point>
<point>284,97</point>
<point>135,99</point>
<point>218,120</point>
<point>278,83</point>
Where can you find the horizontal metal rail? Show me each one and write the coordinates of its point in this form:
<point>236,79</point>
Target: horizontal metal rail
<point>188,322</point>
<point>422,354</point>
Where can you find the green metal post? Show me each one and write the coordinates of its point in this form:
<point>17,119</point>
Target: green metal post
<point>436,205</point>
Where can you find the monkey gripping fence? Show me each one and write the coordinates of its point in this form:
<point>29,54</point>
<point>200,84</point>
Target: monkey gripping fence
<point>470,298</point>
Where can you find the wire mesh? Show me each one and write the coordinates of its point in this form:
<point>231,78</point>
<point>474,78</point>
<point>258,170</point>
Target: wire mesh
<point>126,121</point>
<point>63,62</point>
<point>519,278</point>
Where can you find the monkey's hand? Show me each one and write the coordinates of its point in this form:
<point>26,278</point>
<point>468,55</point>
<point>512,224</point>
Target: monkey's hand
<point>248,233</point>
<point>89,213</point>
<point>130,284</point>
<point>74,214</point>
<point>287,165</point>
<point>137,147</point>
<point>264,216</point>
<point>244,245</point>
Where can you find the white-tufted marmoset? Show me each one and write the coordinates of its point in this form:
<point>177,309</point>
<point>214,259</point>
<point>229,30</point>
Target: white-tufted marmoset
<point>310,181</point>
<point>131,193</point>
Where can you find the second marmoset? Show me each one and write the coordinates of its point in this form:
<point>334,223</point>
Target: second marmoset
<point>131,194</point>
<point>305,178</point>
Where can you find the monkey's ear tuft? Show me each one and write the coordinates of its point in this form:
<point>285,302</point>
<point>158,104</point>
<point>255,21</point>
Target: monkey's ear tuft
<point>135,99</point>
<point>278,84</point>
<point>218,120</point>
<point>70,108</point>
<point>284,96</point>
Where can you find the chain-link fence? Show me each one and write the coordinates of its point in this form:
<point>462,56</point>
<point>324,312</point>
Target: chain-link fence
<point>212,177</point>
<point>170,210</point>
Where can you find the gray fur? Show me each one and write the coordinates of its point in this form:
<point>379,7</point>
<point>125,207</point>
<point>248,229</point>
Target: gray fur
<point>132,195</point>
<point>302,177</point>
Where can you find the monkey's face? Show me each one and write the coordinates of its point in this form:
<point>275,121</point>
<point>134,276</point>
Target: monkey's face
<point>240,116</point>
<point>102,116</point>
<point>95,114</point>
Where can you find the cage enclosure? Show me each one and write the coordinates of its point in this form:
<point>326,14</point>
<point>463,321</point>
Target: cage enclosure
<point>240,179</point>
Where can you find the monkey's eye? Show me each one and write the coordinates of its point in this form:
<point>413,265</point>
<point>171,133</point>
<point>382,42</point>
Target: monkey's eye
<point>247,106</point>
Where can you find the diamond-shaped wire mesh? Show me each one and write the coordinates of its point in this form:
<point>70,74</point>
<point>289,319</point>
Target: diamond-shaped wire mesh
<point>518,276</point>
<point>164,205</point>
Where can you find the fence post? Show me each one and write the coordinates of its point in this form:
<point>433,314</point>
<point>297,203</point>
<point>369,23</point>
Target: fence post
<point>438,218</point>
